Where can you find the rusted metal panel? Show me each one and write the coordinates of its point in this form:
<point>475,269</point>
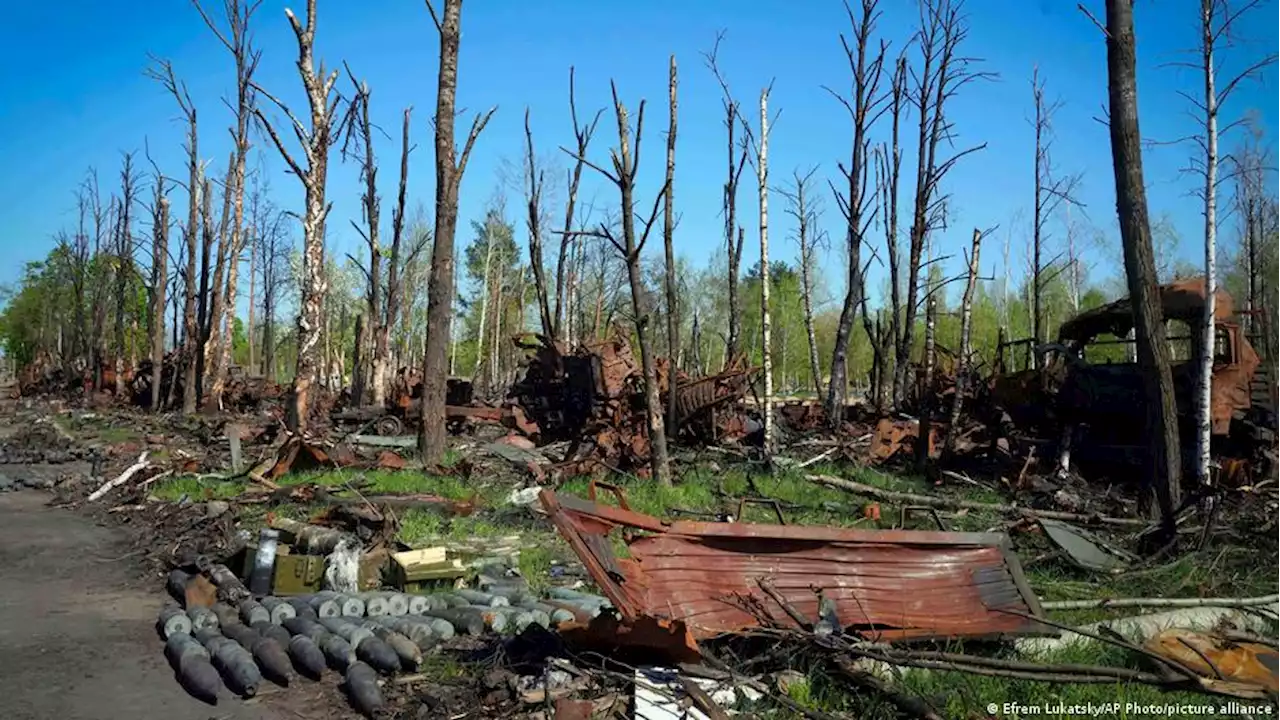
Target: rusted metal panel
<point>887,584</point>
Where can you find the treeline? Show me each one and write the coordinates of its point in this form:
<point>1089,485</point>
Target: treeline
<point>140,275</point>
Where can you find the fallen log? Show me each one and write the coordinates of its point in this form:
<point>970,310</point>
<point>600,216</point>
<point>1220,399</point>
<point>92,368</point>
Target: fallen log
<point>124,477</point>
<point>1141,627</point>
<point>952,504</point>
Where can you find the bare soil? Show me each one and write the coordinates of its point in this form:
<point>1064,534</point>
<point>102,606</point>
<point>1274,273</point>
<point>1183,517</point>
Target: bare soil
<point>77,633</point>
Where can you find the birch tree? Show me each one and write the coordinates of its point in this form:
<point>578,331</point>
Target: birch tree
<point>440,291</point>
<point>316,142</point>
<point>766,336</point>
<point>1217,24</point>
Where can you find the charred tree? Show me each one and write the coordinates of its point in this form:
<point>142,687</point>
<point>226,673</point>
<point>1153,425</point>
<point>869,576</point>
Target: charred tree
<point>395,293</point>
<point>440,291</point>
<point>1164,466</point>
<point>221,254</point>
<point>238,42</point>
<point>668,245</point>
<point>159,280</point>
<point>801,205</point>
<point>124,263</point>
<point>626,163</point>
<point>857,203</point>
<point>733,235</point>
<point>359,139</point>
<point>943,72</point>
<point>316,141</point>
<point>564,281</point>
<point>1051,192</point>
<point>533,219</point>
<point>886,337</point>
<point>966,347</point>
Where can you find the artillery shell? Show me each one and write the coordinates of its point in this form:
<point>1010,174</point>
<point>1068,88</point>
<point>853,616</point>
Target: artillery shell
<point>307,658</point>
<point>273,660</point>
<point>279,609</point>
<point>237,666</point>
<point>475,597</point>
<point>202,617</point>
<point>337,652</point>
<point>417,604</point>
<point>406,649</point>
<point>252,612</point>
<point>275,632</point>
<point>361,684</point>
<point>375,605</point>
<point>173,620</point>
<point>199,678</point>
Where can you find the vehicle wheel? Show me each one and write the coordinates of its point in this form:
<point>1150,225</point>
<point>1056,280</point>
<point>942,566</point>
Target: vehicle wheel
<point>388,425</point>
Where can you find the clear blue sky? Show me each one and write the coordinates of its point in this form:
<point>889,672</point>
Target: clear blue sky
<point>75,96</point>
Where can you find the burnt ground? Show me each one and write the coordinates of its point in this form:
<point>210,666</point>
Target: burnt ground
<point>77,632</point>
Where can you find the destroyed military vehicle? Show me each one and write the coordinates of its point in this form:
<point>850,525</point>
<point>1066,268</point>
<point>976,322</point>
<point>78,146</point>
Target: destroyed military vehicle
<point>1086,389</point>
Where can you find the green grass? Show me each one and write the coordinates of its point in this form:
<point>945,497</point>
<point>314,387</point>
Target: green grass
<point>193,487</point>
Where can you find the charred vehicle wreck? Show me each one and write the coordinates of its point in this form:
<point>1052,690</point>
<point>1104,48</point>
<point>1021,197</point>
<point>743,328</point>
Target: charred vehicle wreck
<point>1085,393</point>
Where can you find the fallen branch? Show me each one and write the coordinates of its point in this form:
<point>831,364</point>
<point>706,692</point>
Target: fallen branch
<point>1160,603</point>
<point>392,441</point>
<point>908,704</point>
<point>948,503</point>
<point>129,472</point>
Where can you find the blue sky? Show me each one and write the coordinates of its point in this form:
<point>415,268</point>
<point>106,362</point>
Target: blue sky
<point>75,96</point>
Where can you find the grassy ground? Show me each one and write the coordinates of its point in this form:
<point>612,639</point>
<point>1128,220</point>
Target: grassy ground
<point>1216,572</point>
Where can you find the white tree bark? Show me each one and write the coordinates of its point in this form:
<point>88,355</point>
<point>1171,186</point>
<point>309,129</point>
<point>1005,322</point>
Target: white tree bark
<point>1205,377</point>
<point>766,335</point>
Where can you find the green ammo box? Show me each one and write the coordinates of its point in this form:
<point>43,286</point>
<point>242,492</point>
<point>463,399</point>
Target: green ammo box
<point>426,570</point>
<point>304,574</point>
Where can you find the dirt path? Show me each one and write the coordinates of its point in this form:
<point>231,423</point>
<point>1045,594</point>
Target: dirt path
<point>77,642</point>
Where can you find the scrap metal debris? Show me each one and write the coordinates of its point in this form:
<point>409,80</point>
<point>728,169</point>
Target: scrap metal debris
<point>885,584</point>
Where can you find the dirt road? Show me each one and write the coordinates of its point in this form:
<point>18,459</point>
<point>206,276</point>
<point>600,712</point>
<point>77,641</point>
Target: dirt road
<point>77,642</point>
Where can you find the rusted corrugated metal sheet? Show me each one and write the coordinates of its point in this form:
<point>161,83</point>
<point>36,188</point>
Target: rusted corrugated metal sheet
<point>887,584</point>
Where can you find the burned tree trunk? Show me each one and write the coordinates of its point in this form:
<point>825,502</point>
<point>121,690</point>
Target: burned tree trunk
<point>361,132</point>
<point>865,69</point>
<point>926,381</point>
<point>733,243</point>
<point>533,219</point>
<point>582,135</point>
<point>1050,193</point>
<point>395,294</point>
<point>232,239</point>
<point>800,205</point>
<point>316,142</point>
<point>159,280</point>
<point>213,334</point>
<point>966,347</point>
<point>124,263</point>
<point>943,72</point>
<point>626,163</point>
<point>668,244</point>
<point>431,438</point>
<point>1164,466</point>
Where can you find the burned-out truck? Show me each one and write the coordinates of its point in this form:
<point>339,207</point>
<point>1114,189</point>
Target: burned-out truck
<point>1087,388</point>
